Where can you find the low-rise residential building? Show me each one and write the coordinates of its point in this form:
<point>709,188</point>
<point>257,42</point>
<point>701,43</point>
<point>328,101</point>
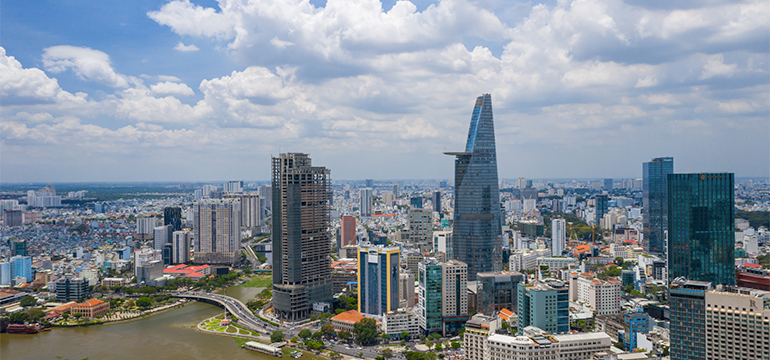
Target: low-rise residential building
<point>634,323</point>
<point>522,260</point>
<point>394,323</point>
<point>611,325</point>
<point>111,281</point>
<point>602,296</point>
<point>557,263</point>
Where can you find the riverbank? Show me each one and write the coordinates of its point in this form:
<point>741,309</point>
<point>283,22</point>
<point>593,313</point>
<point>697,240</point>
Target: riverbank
<point>166,335</point>
<point>142,315</point>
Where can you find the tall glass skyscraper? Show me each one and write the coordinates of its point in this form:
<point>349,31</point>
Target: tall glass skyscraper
<point>655,203</point>
<point>378,276</point>
<point>701,227</point>
<point>477,233</point>
<point>602,207</point>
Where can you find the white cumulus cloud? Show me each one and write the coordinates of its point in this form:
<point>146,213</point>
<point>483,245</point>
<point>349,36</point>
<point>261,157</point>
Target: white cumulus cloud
<point>87,63</point>
<point>186,48</point>
<point>171,88</point>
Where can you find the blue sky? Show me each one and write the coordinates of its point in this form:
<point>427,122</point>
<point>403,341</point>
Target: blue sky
<point>208,90</point>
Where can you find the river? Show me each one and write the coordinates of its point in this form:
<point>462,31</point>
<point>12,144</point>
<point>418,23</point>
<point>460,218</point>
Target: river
<point>170,335</point>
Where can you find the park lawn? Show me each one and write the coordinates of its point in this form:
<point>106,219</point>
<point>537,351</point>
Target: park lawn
<point>261,280</point>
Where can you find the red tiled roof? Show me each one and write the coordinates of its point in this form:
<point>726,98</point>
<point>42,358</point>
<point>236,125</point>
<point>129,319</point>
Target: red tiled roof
<point>90,303</point>
<point>350,316</point>
<point>755,266</point>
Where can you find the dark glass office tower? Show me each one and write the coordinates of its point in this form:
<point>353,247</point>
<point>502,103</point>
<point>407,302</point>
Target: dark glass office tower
<point>477,233</point>
<point>602,207</point>
<point>173,216</point>
<point>655,203</point>
<point>302,275</point>
<point>437,202</point>
<point>701,227</point>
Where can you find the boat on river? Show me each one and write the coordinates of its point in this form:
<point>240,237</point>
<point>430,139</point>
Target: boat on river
<point>22,329</point>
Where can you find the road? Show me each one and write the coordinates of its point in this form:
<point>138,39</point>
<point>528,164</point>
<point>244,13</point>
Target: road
<point>245,317</point>
<point>251,255</point>
<point>369,353</point>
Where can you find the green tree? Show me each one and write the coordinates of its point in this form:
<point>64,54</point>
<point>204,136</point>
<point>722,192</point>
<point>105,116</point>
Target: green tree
<point>429,344</point>
<point>276,336</point>
<point>345,335</point>
<point>387,353</point>
<point>618,261</point>
<point>28,301</point>
<point>351,303</point>
<point>18,318</point>
<point>333,355</point>
<point>35,314</point>
<point>77,316</point>
<point>385,337</point>
<point>317,336</point>
<point>405,335</point>
<point>365,330</point>
<point>439,346</point>
<point>328,330</point>
<point>414,355</point>
<point>305,334</point>
<point>455,345</point>
<point>144,302</point>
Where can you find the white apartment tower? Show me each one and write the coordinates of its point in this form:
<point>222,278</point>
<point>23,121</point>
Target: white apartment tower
<point>145,225</point>
<point>181,247</point>
<point>602,296</point>
<point>454,294</point>
<point>251,218</point>
<point>558,236</point>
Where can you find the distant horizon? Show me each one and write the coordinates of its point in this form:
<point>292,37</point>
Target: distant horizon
<point>31,183</point>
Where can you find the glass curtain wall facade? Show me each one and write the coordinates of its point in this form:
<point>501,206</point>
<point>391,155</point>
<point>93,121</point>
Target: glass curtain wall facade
<point>477,233</point>
<point>701,227</point>
<point>173,216</point>
<point>655,203</point>
<point>430,296</point>
<point>378,276</point>
<point>602,207</point>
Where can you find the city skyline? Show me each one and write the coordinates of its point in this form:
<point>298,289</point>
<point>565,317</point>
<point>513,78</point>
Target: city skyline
<point>143,90</point>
